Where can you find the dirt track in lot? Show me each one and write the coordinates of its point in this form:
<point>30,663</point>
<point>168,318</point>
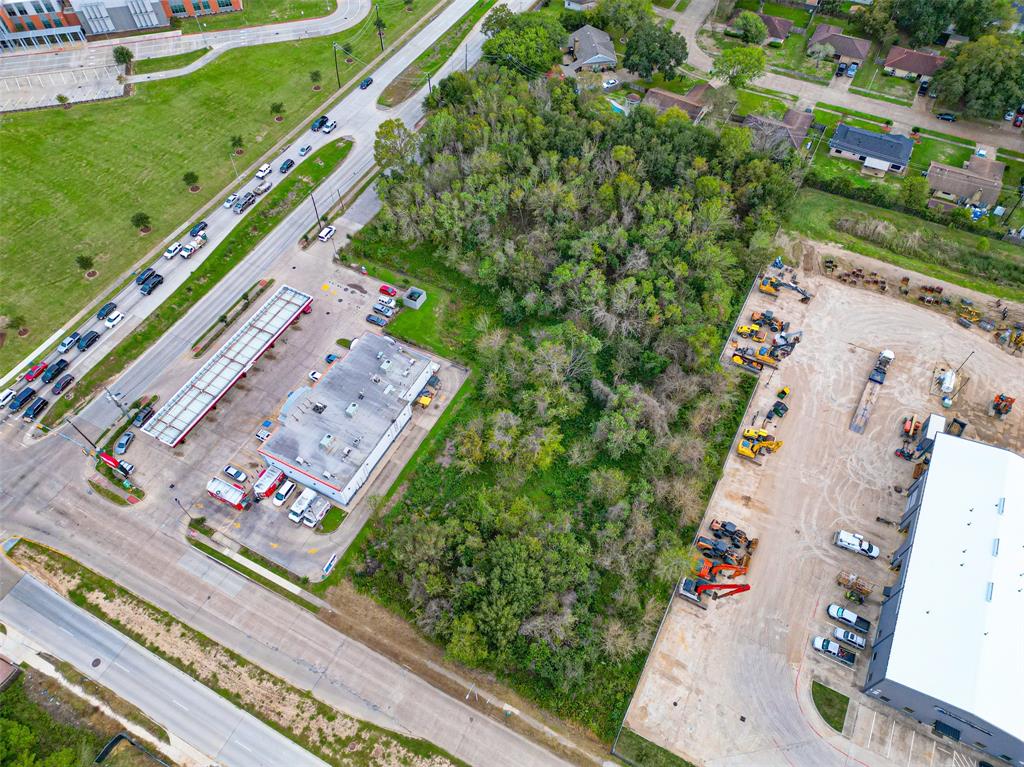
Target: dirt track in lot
<point>730,685</point>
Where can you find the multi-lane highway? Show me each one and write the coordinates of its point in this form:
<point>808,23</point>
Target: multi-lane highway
<point>196,714</point>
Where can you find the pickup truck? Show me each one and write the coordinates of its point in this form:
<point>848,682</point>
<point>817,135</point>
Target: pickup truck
<point>855,542</point>
<point>848,617</point>
<point>828,647</point>
<point>196,243</point>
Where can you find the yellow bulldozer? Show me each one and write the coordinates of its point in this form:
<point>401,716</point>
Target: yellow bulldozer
<point>754,449</point>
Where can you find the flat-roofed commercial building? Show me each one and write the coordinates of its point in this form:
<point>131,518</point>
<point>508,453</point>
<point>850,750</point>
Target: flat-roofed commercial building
<point>335,432</point>
<point>949,650</point>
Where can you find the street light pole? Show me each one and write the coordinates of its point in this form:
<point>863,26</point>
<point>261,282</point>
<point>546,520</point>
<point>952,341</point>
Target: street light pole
<point>116,401</point>
<point>337,74</point>
<point>313,200</point>
<point>380,27</point>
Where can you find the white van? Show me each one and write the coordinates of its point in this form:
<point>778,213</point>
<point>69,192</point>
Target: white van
<point>283,493</point>
<point>264,170</point>
<point>306,497</point>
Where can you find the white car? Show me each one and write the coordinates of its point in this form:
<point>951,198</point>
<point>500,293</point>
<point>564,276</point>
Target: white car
<point>284,493</point>
<point>303,151</point>
<point>326,234</point>
<point>235,473</point>
<point>315,376</point>
<point>187,251</point>
<point>172,250</point>
<point>387,301</point>
<point>230,200</point>
<point>264,170</point>
<point>611,83</point>
<point>329,128</point>
<point>113,320</point>
<point>855,542</point>
<point>6,397</point>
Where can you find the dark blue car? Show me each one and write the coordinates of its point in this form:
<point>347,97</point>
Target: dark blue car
<point>373,319</point>
<point>318,123</point>
<point>287,165</point>
<point>366,83</point>
<point>196,230</point>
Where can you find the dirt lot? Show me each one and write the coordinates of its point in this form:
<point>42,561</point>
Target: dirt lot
<point>342,299</point>
<point>731,685</point>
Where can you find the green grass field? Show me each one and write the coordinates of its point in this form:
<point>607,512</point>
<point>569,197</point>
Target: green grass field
<point>759,104</point>
<point>871,77</point>
<point>76,176</point>
<point>163,63</point>
<point>256,12</point>
<point>831,705</point>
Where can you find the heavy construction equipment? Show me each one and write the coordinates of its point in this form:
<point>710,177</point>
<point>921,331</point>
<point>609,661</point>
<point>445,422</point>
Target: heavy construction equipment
<point>716,550</point>
<point>911,426</point>
<point>867,399</point>
<point>726,530</point>
<point>743,359</point>
<point>756,434</point>
<point>746,331</point>
<point>1002,404</point>
<point>692,588</point>
<point>769,286</point>
<point>769,320</point>
<point>753,450</point>
<point>708,570</point>
<point>782,393</point>
<point>765,355</point>
<point>968,313</point>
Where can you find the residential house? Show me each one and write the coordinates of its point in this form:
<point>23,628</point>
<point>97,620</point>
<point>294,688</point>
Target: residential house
<point>694,102</point>
<point>580,5</point>
<point>911,65</point>
<point>778,28</point>
<point>770,134</point>
<point>977,184</point>
<point>850,50</point>
<point>591,48</point>
<point>878,153</point>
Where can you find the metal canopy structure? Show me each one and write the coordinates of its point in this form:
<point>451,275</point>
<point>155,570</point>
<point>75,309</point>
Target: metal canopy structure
<point>213,380</point>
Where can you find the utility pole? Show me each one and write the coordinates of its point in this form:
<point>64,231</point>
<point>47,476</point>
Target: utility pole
<point>315,210</point>
<point>71,423</point>
<point>380,27</point>
<point>337,74</point>
<point>466,49</point>
<point>430,88</point>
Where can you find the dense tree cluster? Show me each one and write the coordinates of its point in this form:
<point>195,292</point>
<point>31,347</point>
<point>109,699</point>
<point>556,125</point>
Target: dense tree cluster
<point>543,542</point>
<point>986,76</point>
<point>925,20</point>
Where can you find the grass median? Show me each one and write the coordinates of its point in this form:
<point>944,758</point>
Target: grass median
<point>831,705</point>
<point>163,63</point>
<point>428,63</point>
<point>80,174</point>
<point>268,213</point>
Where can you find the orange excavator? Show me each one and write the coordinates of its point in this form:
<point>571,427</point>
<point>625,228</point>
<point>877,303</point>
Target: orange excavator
<point>692,588</point>
<point>708,570</point>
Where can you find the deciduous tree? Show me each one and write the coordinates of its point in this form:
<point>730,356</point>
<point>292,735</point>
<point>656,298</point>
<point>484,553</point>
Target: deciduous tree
<point>654,48</point>
<point>751,28</point>
<point>739,66</point>
<point>986,76</point>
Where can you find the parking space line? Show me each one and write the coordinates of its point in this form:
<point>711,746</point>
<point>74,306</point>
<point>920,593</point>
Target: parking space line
<point>892,731</point>
<point>910,751</point>
<point>931,761</point>
<point>871,732</point>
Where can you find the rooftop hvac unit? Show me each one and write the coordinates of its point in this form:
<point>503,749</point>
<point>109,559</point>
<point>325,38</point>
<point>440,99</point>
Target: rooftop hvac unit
<point>300,460</point>
<point>326,442</point>
<point>385,365</point>
<point>375,378</point>
<point>362,394</point>
<point>328,475</point>
<point>350,411</point>
<point>388,389</point>
<point>347,451</point>
<point>356,441</point>
<point>319,407</point>
<point>380,355</point>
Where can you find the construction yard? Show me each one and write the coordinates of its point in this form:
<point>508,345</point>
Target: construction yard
<point>730,684</point>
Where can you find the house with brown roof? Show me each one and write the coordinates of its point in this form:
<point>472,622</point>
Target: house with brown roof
<point>770,134</point>
<point>978,183</point>
<point>778,28</point>
<point>693,102</point>
<point>910,64</point>
<point>848,49</point>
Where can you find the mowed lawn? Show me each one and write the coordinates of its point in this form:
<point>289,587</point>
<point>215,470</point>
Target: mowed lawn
<point>256,12</point>
<point>73,178</point>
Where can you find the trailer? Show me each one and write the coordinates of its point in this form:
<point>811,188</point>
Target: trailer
<point>267,482</point>
<point>867,399</point>
<point>229,493</point>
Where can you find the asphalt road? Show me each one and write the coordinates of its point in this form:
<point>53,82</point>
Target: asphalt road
<point>191,711</point>
<point>43,496</point>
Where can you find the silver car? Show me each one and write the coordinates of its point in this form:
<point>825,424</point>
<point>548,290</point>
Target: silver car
<point>235,473</point>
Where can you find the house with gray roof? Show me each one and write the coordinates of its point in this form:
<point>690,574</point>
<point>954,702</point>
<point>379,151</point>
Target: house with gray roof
<point>848,49</point>
<point>591,48</point>
<point>878,153</point>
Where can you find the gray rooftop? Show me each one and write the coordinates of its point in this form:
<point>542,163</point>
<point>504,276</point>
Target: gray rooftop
<point>891,147</point>
<point>592,45</point>
<point>361,395</point>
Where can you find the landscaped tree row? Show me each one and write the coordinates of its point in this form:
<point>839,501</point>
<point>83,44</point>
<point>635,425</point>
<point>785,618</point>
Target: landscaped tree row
<point>544,541</point>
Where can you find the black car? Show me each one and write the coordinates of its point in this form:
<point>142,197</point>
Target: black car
<point>923,90</point>
<point>197,230</point>
<point>55,370</point>
<point>287,165</point>
<point>366,83</point>
<point>155,281</point>
<point>87,340</point>
<point>143,415</point>
<point>841,69</point>
<point>144,275</point>
<point>21,398</point>
<point>947,116</point>
<point>319,122</point>
<point>106,309</point>
<point>65,381</point>
<point>37,407</point>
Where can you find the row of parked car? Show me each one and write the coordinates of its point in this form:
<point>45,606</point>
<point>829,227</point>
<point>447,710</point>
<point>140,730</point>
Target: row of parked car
<point>385,308</point>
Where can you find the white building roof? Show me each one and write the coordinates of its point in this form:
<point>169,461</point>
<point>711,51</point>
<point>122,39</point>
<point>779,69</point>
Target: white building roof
<point>959,631</point>
<point>211,382</point>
